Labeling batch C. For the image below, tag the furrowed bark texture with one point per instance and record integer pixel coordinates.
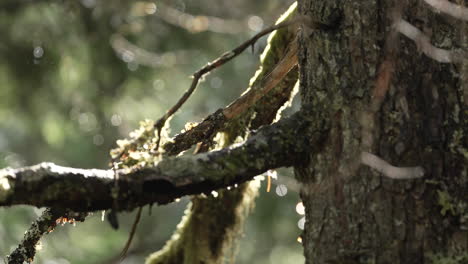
(353, 215)
(209, 230)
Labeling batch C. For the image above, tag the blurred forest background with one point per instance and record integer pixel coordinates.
(77, 75)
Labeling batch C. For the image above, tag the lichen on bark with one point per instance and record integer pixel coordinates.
(352, 214)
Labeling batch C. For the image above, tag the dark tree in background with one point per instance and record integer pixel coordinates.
(378, 145)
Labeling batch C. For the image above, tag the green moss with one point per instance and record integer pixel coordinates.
(141, 148)
(456, 144)
(445, 201)
(442, 259)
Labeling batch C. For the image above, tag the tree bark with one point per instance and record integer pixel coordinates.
(384, 93)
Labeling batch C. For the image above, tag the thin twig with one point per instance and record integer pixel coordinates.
(46, 223)
(270, 81)
(26, 250)
(123, 254)
(216, 120)
(227, 56)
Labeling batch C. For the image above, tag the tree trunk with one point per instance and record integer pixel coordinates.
(376, 91)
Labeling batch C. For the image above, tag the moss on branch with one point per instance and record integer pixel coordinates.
(46, 184)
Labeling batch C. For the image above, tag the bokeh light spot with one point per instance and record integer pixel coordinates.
(281, 190)
(132, 66)
(150, 8)
(273, 174)
(216, 82)
(301, 223)
(300, 209)
(255, 23)
(88, 3)
(87, 121)
(168, 59)
(38, 52)
(158, 85)
(98, 139)
(116, 120)
(128, 56)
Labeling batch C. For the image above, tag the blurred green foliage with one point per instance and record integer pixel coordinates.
(77, 75)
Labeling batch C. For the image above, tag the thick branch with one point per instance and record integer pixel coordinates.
(46, 184)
